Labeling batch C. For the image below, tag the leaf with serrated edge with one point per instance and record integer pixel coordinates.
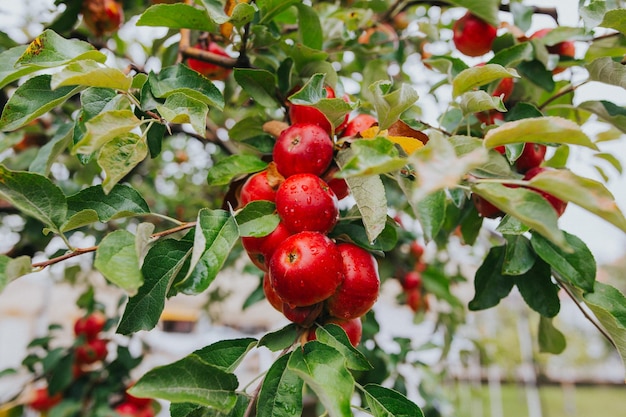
(607, 71)
(477, 101)
(119, 156)
(589, 194)
(182, 79)
(476, 76)
(608, 112)
(257, 219)
(390, 105)
(161, 266)
(370, 157)
(104, 128)
(180, 108)
(189, 380)
(33, 99)
(176, 16)
(225, 170)
(538, 130)
(281, 392)
(116, 258)
(385, 402)
(259, 83)
(528, 206)
(50, 151)
(34, 195)
(609, 306)
(13, 268)
(143, 237)
(317, 363)
(8, 72)
(280, 339)
(122, 201)
(334, 336)
(52, 50)
(577, 268)
(91, 73)
(216, 234)
(226, 354)
(485, 9)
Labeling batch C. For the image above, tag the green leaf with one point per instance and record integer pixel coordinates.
(281, 392)
(35, 196)
(369, 195)
(8, 72)
(512, 56)
(202, 384)
(181, 79)
(216, 234)
(31, 100)
(607, 111)
(242, 14)
(180, 108)
(551, 340)
(48, 153)
(496, 165)
(611, 159)
(538, 291)
(314, 94)
(257, 219)
(105, 127)
(280, 339)
(162, 264)
(485, 9)
(607, 71)
(528, 206)
(538, 130)
(390, 105)
(615, 19)
(119, 156)
(476, 76)
(355, 231)
(578, 268)
(477, 101)
(523, 110)
(194, 410)
(370, 157)
(51, 50)
(13, 268)
(121, 201)
(589, 194)
(260, 84)
(536, 72)
(490, 284)
(226, 354)
(90, 73)
(447, 65)
(176, 16)
(215, 9)
(334, 336)
(609, 306)
(385, 402)
(317, 364)
(519, 257)
(309, 27)
(225, 170)
(438, 167)
(269, 9)
(117, 259)
(431, 213)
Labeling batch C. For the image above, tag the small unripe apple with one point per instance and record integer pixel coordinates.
(472, 35)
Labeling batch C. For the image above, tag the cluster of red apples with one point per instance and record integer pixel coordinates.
(309, 277)
(411, 281)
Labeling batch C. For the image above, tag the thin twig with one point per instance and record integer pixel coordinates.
(569, 89)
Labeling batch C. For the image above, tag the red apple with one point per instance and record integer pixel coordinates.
(559, 205)
(92, 351)
(359, 290)
(485, 208)
(532, 156)
(260, 249)
(306, 269)
(303, 148)
(472, 35)
(360, 123)
(306, 202)
(300, 113)
(257, 187)
(90, 326)
(43, 401)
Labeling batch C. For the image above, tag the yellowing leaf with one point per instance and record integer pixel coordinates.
(408, 144)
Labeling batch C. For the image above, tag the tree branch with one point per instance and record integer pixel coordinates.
(81, 251)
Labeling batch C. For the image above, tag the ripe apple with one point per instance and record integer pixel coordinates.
(532, 156)
(416, 249)
(306, 202)
(359, 290)
(208, 69)
(303, 148)
(42, 400)
(338, 185)
(270, 294)
(416, 300)
(139, 402)
(360, 123)
(559, 205)
(485, 208)
(472, 35)
(92, 351)
(504, 89)
(565, 48)
(90, 326)
(411, 280)
(261, 249)
(306, 269)
(304, 316)
(257, 187)
(352, 327)
(102, 17)
(300, 113)
(489, 117)
(127, 409)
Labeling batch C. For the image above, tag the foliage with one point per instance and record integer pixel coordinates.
(148, 156)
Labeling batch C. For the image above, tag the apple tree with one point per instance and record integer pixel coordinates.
(292, 134)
